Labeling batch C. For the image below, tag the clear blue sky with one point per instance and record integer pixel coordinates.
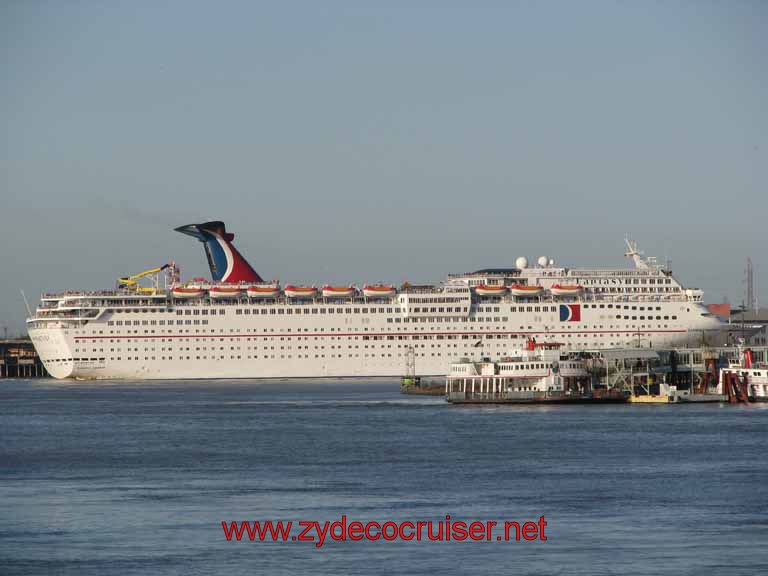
(364, 141)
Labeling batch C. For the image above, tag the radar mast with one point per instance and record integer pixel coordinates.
(637, 256)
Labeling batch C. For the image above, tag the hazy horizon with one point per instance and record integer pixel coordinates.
(358, 142)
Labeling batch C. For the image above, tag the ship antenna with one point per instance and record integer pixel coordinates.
(26, 303)
(635, 254)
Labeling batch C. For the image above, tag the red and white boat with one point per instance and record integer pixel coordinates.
(187, 292)
(753, 377)
(338, 291)
(292, 291)
(566, 289)
(518, 290)
(270, 291)
(488, 290)
(378, 291)
(224, 292)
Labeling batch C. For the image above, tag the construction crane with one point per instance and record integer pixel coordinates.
(131, 282)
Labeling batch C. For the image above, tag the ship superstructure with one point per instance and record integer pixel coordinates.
(238, 326)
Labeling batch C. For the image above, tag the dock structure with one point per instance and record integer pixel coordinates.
(641, 375)
(18, 359)
(690, 374)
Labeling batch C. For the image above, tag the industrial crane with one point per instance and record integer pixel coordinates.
(131, 282)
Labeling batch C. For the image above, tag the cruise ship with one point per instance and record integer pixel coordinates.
(236, 325)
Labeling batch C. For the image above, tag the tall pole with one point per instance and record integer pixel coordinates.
(690, 388)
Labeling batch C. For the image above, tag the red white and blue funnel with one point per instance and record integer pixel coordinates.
(226, 263)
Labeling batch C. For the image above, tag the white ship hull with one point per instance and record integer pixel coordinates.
(278, 345)
(146, 333)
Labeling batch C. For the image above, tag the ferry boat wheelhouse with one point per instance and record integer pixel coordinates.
(239, 326)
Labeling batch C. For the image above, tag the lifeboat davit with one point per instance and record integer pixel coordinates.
(186, 292)
(378, 291)
(338, 291)
(224, 292)
(566, 289)
(485, 290)
(518, 290)
(300, 291)
(271, 291)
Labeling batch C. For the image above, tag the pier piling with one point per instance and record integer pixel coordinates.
(18, 359)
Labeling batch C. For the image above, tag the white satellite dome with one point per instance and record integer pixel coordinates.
(543, 261)
(521, 262)
(551, 261)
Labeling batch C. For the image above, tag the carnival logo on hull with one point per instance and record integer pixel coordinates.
(570, 312)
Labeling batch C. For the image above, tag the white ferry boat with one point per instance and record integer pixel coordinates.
(239, 326)
(539, 370)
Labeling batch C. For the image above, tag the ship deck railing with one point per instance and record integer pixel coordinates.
(162, 299)
(458, 395)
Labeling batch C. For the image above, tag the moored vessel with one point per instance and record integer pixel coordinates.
(540, 373)
(744, 377)
(236, 325)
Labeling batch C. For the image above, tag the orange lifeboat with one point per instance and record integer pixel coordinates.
(292, 291)
(338, 291)
(378, 291)
(518, 290)
(487, 290)
(270, 291)
(186, 293)
(566, 289)
(224, 292)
